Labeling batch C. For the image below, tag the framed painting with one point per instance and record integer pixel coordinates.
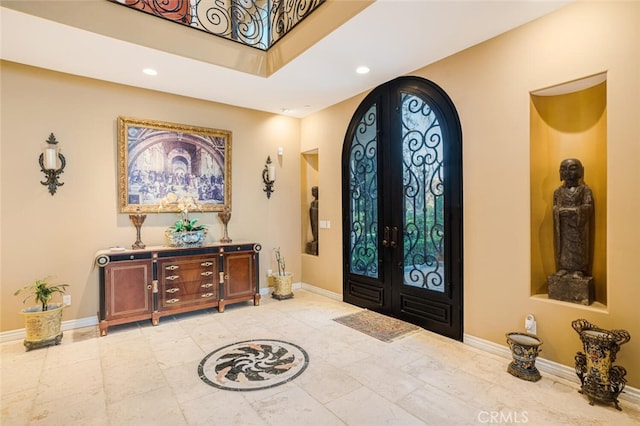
(157, 159)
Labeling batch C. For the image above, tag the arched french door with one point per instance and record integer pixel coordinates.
(402, 206)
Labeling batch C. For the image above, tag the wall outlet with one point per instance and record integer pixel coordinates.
(66, 299)
(530, 324)
(269, 272)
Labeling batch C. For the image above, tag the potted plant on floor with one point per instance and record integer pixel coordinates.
(281, 281)
(42, 322)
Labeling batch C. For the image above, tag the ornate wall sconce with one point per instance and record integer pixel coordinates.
(269, 177)
(49, 164)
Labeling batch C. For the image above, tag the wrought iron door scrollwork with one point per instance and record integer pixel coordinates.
(363, 190)
(423, 183)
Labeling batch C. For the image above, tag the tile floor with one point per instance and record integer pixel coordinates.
(145, 375)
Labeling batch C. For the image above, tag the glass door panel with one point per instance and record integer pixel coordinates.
(423, 189)
(363, 196)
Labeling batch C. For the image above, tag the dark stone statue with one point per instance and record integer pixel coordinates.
(312, 247)
(572, 216)
(572, 213)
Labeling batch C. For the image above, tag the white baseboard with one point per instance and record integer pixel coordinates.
(265, 291)
(313, 289)
(559, 370)
(322, 292)
(20, 334)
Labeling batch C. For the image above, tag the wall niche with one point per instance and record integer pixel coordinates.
(309, 179)
(568, 120)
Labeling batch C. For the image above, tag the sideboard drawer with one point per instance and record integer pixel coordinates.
(175, 300)
(177, 270)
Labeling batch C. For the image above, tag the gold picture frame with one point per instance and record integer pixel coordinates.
(156, 158)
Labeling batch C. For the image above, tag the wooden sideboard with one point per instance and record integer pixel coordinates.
(145, 284)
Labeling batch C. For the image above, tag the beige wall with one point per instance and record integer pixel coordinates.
(325, 132)
(58, 235)
(490, 85)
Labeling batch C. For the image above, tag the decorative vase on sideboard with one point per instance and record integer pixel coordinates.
(185, 238)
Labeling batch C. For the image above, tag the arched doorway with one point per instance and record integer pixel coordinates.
(402, 206)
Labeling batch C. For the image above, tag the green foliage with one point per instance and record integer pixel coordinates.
(187, 225)
(42, 291)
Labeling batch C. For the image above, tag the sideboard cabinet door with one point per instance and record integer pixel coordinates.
(128, 293)
(239, 278)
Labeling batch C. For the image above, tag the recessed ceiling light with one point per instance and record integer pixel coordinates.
(362, 69)
(285, 110)
(150, 71)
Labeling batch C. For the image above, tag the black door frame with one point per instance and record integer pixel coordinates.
(441, 313)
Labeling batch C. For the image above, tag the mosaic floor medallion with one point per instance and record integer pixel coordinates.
(253, 364)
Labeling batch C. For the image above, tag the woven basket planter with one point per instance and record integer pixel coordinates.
(282, 286)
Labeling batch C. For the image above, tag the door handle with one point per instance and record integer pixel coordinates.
(385, 237)
(394, 237)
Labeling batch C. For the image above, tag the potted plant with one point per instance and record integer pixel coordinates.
(185, 232)
(281, 281)
(42, 322)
